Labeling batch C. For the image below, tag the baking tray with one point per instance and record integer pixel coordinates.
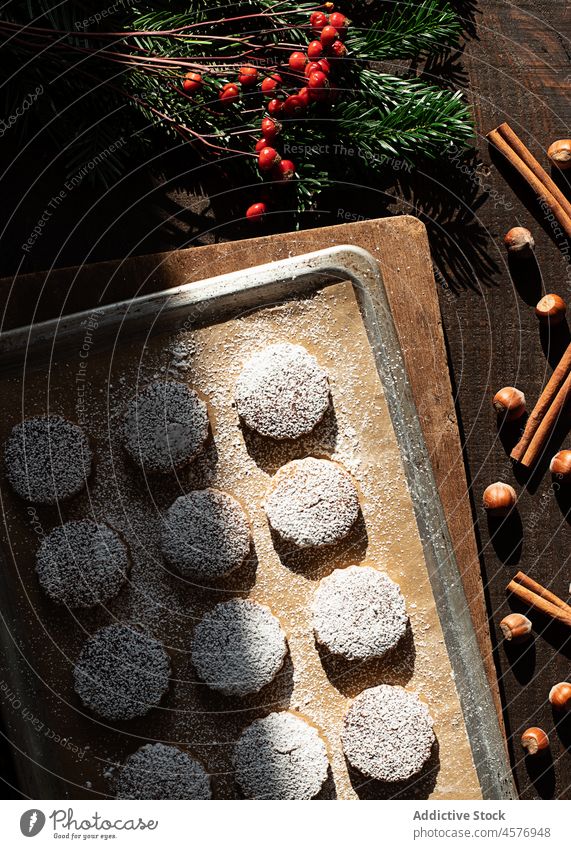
(208, 301)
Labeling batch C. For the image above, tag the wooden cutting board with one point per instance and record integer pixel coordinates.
(401, 247)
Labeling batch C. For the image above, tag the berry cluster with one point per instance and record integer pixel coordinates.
(287, 99)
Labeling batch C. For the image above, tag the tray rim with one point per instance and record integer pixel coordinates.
(287, 279)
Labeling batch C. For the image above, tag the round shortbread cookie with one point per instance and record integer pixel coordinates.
(312, 502)
(157, 771)
(121, 672)
(358, 613)
(282, 392)
(388, 734)
(165, 426)
(48, 459)
(281, 757)
(205, 534)
(82, 563)
(238, 647)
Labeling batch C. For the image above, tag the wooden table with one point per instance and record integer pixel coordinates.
(516, 69)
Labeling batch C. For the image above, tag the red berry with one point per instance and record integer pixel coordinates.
(328, 36)
(324, 66)
(268, 159)
(303, 95)
(297, 62)
(339, 21)
(318, 20)
(315, 49)
(248, 76)
(192, 82)
(318, 85)
(338, 49)
(271, 83)
(229, 93)
(270, 128)
(294, 105)
(261, 144)
(275, 106)
(284, 170)
(256, 212)
(311, 68)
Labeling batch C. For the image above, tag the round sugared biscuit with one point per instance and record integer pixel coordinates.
(280, 757)
(282, 392)
(238, 647)
(358, 613)
(82, 563)
(157, 771)
(48, 459)
(165, 426)
(388, 734)
(121, 672)
(312, 502)
(205, 534)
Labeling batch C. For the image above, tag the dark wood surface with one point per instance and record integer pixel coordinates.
(515, 67)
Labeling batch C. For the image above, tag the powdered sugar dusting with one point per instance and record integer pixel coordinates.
(359, 613)
(156, 771)
(205, 534)
(48, 459)
(165, 426)
(238, 647)
(312, 503)
(81, 564)
(121, 673)
(282, 392)
(388, 734)
(281, 757)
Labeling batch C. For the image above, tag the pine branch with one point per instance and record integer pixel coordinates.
(409, 30)
(424, 123)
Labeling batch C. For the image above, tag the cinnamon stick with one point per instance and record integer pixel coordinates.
(555, 383)
(530, 584)
(539, 186)
(527, 156)
(539, 603)
(548, 424)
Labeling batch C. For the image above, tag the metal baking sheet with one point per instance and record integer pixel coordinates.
(201, 303)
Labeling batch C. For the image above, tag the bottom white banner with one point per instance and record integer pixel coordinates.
(259, 824)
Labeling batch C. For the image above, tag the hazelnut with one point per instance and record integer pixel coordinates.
(551, 308)
(534, 740)
(516, 627)
(510, 403)
(560, 696)
(499, 498)
(519, 240)
(560, 465)
(559, 153)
